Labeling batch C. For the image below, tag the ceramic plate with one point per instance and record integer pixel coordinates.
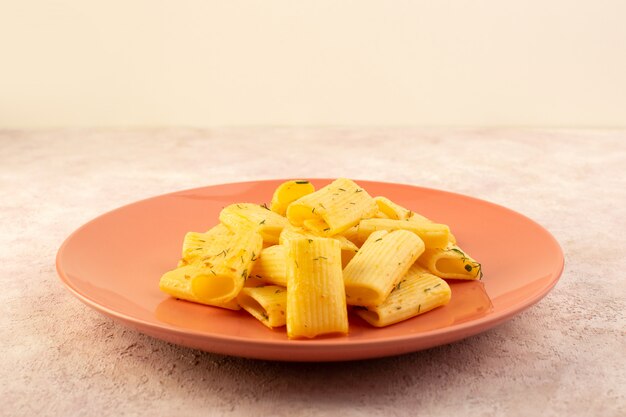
(114, 262)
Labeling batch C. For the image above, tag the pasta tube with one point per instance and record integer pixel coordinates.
(352, 234)
(199, 245)
(215, 269)
(416, 293)
(348, 249)
(451, 262)
(267, 304)
(332, 209)
(288, 192)
(255, 217)
(271, 266)
(316, 300)
(391, 209)
(374, 271)
(434, 235)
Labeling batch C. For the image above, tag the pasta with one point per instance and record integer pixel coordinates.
(271, 267)
(301, 262)
(253, 216)
(416, 293)
(316, 299)
(348, 249)
(266, 303)
(434, 235)
(384, 258)
(332, 209)
(288, 192)
(392, 210)
(214, 267)
(450, 262)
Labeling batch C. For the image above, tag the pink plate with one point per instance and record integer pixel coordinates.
(114, 262)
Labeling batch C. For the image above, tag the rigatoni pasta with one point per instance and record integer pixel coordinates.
(332, 209)
(316, 299)
(434, 235)
(287, 193)
(268, 304)
(384, 258)
(214, 266)
(253, 216)
(271, 267)
(416, 293)
(348, 249)
(304, 259)
(451, 262)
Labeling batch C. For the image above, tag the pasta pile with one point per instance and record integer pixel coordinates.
(314, 254)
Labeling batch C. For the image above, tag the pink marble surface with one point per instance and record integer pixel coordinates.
(564, 356)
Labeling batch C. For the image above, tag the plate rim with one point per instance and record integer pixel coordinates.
(484, 323)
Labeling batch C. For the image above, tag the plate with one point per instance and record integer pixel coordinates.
(114, 262)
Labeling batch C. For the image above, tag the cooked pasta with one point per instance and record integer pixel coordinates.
(287, 193)
(416, 293)
(391, 209)
(382, 260)
(268, 304)
(451, 262)
(301, 262)
(332, 209)
(316, 299)
(213, 269)
(271, 267)
(253, 216)
(434, 235)
(348, 249)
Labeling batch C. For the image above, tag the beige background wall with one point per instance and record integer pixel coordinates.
(208, 63)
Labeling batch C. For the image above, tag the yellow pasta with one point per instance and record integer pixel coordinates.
(214, 267)
(348, 249)
(332, 209)
(268, 304)
(382, 260)
(271, 267)
(392, 210)
(247, 215)
(308, 256)
(316, 300)
(352, 234)
(397, 212)
(195, 245)
(434, 235)
(416, 293)
(451, 262)
(288, 192)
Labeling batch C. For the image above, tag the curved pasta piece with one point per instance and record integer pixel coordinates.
(416, 293)
(255, 217)
(332, 209)
(268, 304)
(215, 269)
(288, 192)
(392, 210)
(271, 267)
(348, 249)
(382, 260)
(434, 235)
(451, 262)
